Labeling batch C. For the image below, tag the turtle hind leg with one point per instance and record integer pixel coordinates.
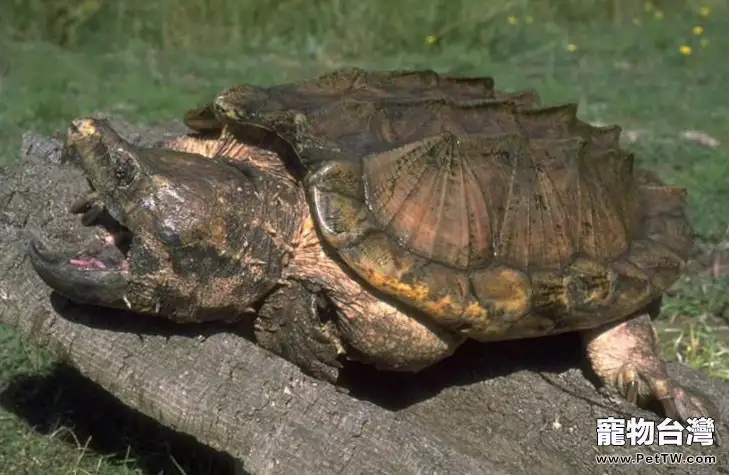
(627, 356)
(291, 324)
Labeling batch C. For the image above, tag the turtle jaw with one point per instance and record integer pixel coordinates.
(90, 281)
(101, 274)
(175, 241)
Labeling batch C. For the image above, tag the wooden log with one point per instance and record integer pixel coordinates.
(504, 408)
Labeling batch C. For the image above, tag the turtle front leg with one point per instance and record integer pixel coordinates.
(312, 332)
(627, 357)
(292, 324)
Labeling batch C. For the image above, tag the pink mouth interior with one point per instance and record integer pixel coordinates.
(89, 263)
(105, 256)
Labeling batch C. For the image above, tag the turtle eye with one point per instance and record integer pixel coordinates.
(125, 167)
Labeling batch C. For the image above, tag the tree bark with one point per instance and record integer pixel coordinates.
(504, 408)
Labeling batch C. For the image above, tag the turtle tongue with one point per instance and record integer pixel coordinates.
(89, 281)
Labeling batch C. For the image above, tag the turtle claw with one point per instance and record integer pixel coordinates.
(627, 357)
(90, 216)
(631, 393)
(670, 409)
(679, 403)
(84, 203)
(90, 206)
(684, 403)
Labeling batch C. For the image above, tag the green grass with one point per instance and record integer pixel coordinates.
(148, 61)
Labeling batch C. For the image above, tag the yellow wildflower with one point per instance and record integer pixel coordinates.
(571, 47)
(697, 30)
(512, 20)
(430, 40)
(705, 11)
(685, 50)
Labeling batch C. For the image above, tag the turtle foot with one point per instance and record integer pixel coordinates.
(627, 356)
(678, 402)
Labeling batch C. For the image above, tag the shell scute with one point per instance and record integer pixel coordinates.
(496, 217)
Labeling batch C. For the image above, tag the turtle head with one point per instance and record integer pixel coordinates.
(242, 103)
(245, 108)
(186, 236)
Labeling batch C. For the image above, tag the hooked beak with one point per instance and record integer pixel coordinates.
(87, 281)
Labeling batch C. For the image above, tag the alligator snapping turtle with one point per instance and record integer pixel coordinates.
(406, 213)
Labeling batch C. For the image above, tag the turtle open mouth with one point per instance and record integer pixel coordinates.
(97, 274)
(155, 210)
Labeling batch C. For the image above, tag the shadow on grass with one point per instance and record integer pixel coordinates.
(65, 398)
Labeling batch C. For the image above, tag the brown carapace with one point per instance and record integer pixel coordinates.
(496, 217)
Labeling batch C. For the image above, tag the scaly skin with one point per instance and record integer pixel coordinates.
(221, 230)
